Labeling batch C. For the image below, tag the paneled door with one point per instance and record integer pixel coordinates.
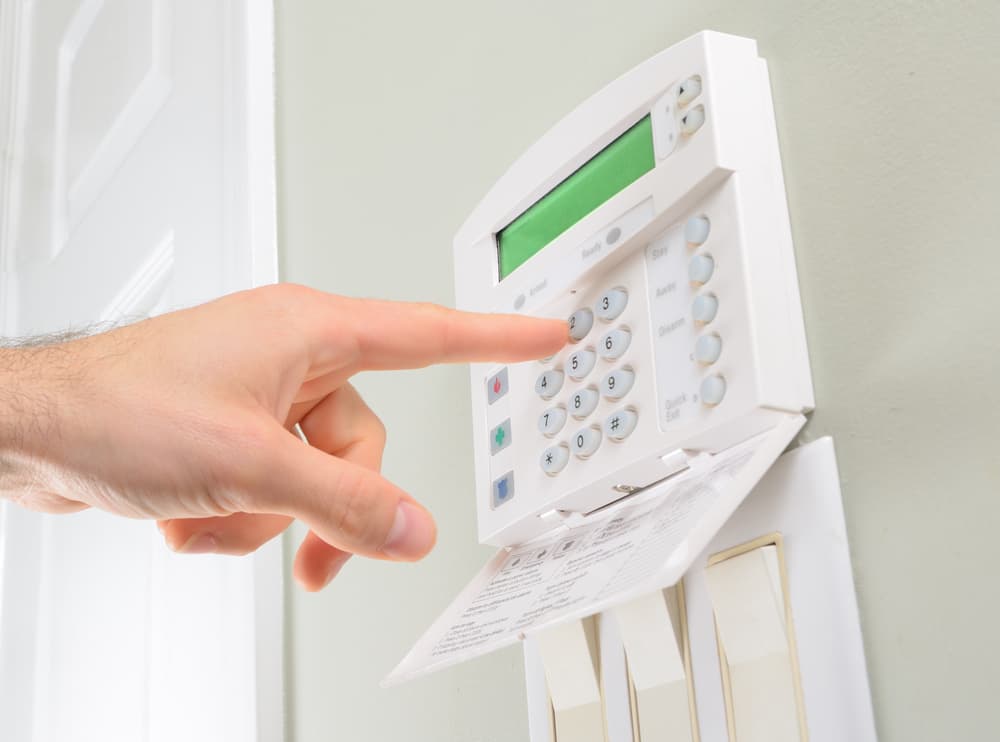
(137, 175)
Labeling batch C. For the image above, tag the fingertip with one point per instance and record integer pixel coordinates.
(412, 535)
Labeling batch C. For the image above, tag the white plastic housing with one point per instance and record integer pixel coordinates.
(727, 170)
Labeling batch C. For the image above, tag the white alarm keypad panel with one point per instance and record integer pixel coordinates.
(679, 291)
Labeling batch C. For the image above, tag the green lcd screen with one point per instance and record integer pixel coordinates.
(616, 166)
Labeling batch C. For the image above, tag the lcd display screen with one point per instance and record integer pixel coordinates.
(616, 166)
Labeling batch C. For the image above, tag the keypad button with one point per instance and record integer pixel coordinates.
(580, 364)
(585, 442)
(618, 383)
(549, 383)
(500, 437)
(708, 348)
(614, 343)
(701, 268)
(619, 425)
(580, 323)
(696, 230)
(552, 420)
(713, 389)
(583, 403)
(692, 120)
(497, 385)
(704, 308)
(688, 90)
(611, 304)
(503, 489)
(554, 459)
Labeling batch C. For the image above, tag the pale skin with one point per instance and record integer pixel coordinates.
(189, 418)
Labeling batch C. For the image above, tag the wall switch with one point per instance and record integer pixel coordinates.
(756, 644)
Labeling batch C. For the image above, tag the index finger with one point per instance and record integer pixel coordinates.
(391, 334)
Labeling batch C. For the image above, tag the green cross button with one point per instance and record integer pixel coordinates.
(500, 436)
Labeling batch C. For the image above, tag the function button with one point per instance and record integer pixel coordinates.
(551, 421)
(583, 403)
(580, 323)
(500, 437)
(713, 389)
(704, 307)
(549, 383)
(701, 268)
(692, 120)
(708, 348)
(554, 459)
(496, 385)
(503, 489)
(688, 90)
(612, 304)
(696, 230)
(614, 343)
(586, 441)
(617, 384)
(619, 425)
(580, 364)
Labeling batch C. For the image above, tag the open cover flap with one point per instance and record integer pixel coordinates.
(643, 543)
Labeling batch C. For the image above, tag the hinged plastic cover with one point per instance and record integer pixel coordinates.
(641, 544)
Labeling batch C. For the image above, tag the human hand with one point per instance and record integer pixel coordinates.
(188, 418)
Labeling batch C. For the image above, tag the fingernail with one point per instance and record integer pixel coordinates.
(200, 543)
(412, 534)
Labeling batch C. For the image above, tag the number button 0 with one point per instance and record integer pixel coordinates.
(552, 420)
(580, 364)
(618, 383)
(580, 323)
(612, 304)
(586, 442)
(615, 343)
(549, 383)
(583, 403)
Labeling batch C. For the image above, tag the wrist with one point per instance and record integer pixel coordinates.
(31, 391)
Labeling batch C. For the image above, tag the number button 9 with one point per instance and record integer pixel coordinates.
(618, 383)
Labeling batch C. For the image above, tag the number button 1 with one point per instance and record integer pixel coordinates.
(614, 343)
(549, 383)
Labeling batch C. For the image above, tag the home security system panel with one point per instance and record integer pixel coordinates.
(653, 219)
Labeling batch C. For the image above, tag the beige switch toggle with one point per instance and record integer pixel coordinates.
(756, 645)
(569, 656)
(654, 634)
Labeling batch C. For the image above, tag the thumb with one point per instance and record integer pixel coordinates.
(346, 505)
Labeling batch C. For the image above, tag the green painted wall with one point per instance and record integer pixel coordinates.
(394, 119)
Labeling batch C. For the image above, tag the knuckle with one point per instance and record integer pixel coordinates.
(355, 510)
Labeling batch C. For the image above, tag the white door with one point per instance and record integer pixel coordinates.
(137, 176)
